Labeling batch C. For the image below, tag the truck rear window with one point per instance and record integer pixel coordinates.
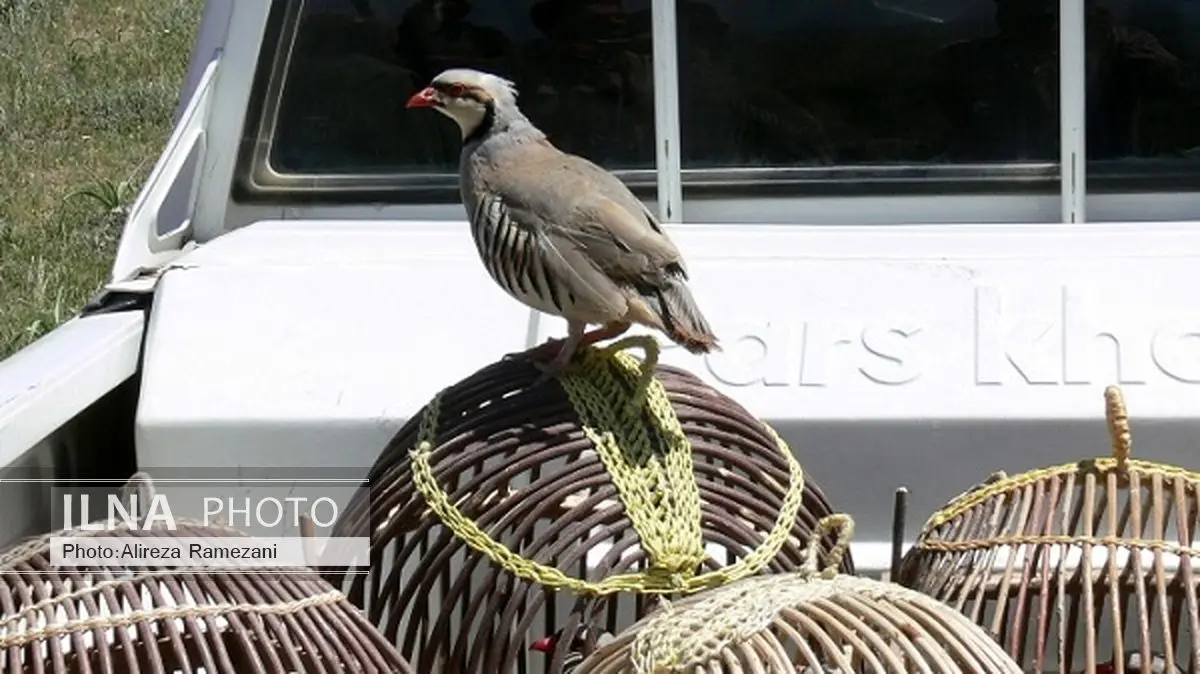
(849, 86)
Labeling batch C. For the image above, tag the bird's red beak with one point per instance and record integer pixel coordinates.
(543, 645)
(425, 98)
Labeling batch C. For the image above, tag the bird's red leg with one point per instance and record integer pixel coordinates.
(559, 352)
(607, 331)
(553, 347)
(576, 339)
(575, 335)
(542, 351)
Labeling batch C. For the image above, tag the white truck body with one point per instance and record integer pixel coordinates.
(920, 340)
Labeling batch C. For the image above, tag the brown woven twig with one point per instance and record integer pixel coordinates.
(129, 620)
(1061, 563)
(517, 463)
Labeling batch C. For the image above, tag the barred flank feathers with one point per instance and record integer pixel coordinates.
(681, 318)
(511, 255)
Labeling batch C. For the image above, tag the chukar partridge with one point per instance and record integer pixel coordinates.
(557, 232)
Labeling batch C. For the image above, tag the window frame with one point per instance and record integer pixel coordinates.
(257, 182)
(1072, 106)
(672, 186)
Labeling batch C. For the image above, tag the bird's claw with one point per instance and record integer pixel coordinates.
(544, 351)
(550, 370)
(543, 378)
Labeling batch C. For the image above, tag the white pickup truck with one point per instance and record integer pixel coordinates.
(925, 253)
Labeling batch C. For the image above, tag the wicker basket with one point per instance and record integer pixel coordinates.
(807, 622)
(1062, 563)
(528, 512)
(150, 619)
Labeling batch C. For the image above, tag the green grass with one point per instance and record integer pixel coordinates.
(87, 91)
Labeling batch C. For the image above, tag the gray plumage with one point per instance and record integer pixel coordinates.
(557, 232)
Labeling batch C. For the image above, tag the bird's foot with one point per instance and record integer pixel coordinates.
(548, 372)
(553, 348)
(556, 366)
(543, 351)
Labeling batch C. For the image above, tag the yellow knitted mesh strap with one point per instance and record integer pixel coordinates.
(685, 638)
(658, 490)
(1123, 542)
(1117, 418)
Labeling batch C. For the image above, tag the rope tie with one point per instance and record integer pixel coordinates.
(625, 412)
(1117, 417)
(1129, 543)
(844, 526)
(141, 486)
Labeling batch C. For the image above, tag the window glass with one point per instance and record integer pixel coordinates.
(583, 69)
(854, 82)
(1143, 94)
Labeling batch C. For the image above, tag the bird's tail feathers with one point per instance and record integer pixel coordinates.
(681, 318)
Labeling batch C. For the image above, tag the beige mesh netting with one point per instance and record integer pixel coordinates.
(806, 621)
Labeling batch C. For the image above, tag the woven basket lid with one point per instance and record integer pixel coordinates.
(1061, 563)
(812, 620)
(621, 479)
(131, 619)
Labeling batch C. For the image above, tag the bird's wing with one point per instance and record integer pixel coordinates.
(564, 267)
(633, 224)
(588, 215)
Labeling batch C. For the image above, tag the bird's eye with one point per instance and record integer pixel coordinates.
(457, 90)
